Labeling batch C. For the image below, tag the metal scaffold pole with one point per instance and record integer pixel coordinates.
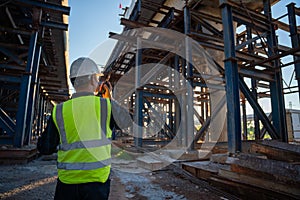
(138, 130)
(24, 93)
(190, 94)
(32, 94)
(295, 40)
(232, 81)
(276, 88)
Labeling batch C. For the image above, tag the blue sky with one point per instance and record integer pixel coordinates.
(90, 22)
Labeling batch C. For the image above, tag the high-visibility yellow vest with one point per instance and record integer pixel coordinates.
(84, 153)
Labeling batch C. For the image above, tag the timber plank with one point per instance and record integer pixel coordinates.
(269, 185)
(246, 191)
(203, 169)
(280, 171)
(277, 150)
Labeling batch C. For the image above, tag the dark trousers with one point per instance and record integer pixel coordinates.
(83, 191)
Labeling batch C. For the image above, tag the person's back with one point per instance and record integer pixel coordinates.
(80, 127)
(84, 150)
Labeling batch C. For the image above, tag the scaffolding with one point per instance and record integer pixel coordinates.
(33, 72)
(248, 65)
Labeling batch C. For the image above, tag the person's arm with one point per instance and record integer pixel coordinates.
(120, 116)
(49, 140)
(113, 123)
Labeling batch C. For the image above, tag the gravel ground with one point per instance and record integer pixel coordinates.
(37, 180)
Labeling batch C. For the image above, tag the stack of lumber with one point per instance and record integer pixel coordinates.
(270, 171)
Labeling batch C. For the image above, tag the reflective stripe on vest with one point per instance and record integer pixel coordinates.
(84, 166)
(65, 146)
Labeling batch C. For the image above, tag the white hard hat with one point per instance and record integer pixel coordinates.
(82, 67)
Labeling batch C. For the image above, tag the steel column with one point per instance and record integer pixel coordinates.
(24, 93)
(177, 102)
(41, 114)
(190, 94)
(254, 86)
(32, 95)
(255, 118)
(276, 88)
(138, 130)
(245, 132)
(232, 81)
(294, 39)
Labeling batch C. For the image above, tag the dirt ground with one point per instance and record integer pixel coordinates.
(37, 180)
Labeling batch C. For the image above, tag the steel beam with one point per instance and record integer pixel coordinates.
(49, 24)
(10, 79)
(12, 67)
(249, 40)
(32, 95)
(136, 12)
(166, 21)
(232, 81)
(170, 116)
(7, 123)
(245, 131)
(208, 26)
(254, 84)
(177, 101)
(24, 94)
(294, 39)
(39, 115)
(138, 131)
(256, 74)
(256, 122)
(214, 113)
(15, 31)
(157, 95)
(190, 93)
(276, 87)
(11, 55)
(257, 109)
(46, 5)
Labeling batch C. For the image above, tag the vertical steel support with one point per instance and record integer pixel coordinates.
(46, 104)
(190, 95)
(170, 115)
(39, 118)
(245, 132)
(32, 95)
(43, 113)
(276, 87)
(254, 87)
(294, 39)
(24, 93)
(183, 94)
(255, 118)
(138, 132)
(170, 104)
(37, 107)
(232, 81)
(177, 102)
